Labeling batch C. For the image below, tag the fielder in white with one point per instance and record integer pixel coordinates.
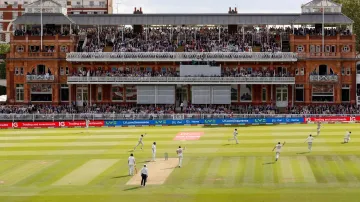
(180, 152)
(347, 137)
(153, 151)
(87, 123)
(309, 140)
(131, 163)
(278, 150)
(140, 142)
(235, 133)
(318, 128)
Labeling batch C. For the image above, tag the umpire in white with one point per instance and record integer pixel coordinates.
(144, 175)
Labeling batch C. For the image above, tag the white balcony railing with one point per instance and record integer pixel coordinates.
(180, 80)
(40, 78)
(324, 78)
(179, 56)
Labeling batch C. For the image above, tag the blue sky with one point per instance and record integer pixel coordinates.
(209, 6)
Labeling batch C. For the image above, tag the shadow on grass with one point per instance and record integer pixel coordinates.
(269, 163)
(303, 153)
(226, 144)
(132, 188)
(117, 177)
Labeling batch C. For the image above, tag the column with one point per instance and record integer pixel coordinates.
(55, 94)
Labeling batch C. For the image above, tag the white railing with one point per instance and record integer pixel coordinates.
(88, 6)
(324, 78)
(180, 80)
(111, 116)
(179, 56)
(40, 78)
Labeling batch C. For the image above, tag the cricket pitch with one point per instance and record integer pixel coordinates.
(159, 171)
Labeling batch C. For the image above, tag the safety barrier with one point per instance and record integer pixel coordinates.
(182, 122)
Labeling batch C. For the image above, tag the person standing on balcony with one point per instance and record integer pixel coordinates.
(181, 107)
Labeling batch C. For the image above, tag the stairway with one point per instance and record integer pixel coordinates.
(180, 49)
(108, 49)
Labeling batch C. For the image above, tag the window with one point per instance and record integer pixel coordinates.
(20, 49)
(41, 93)
(1, 16)
(21, 70)
(299, 71)
(327, 48)
(64, 93)
(346, 49)
(343, 71)
(91, 3)
(62, 71)
(67, 71)
(64, 49)
(263, 94)
(246, 93)
(15, 4)
(234, 93)
(78, 3)
(14, 15)
(102, 3)
(19, 92)
(16, 70)
(318, 49)
(348, 71)
(323, 93)
(345, 93)
(117, 93)
(312, 48)
(99, 93)
(300, 48)
(299, 93)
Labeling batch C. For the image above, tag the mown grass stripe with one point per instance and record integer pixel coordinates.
(327, 170)
(346, 168)
(115, 175)
(198, 166)
(87, 172)
(24, 171)
(9, 165)
(258, 169)
(212, 171)
(224, 171)
(200, 178)
(250, 170)
(268, 171)
(240, 173)
(230, 179)
(335, 170)
(287, 175)
(355, 161)
(304, 165)
(296, 169)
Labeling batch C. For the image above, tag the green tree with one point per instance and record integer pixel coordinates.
(350, 8)
(4, 48)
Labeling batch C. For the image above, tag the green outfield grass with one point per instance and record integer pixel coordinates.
(75, 165)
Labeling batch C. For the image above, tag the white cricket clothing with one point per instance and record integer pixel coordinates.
(347, 135)
(144, 171)
(153, 148)
(140, 139)
(235, 133)
(310, 139)
(131, 160)
(278, 147)
(179, 152)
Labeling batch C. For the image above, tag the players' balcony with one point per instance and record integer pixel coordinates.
(36, 78)
(180, 80)
(179, 56)
(324, 78)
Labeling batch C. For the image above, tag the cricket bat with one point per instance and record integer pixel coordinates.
(284, 143)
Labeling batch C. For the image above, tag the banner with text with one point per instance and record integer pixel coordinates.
(56, 124)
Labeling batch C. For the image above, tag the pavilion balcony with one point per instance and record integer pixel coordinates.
(180, 56)
(37, 78)
(324, 78)
(180, 80)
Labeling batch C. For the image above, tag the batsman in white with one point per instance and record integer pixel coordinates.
(347, 137)
(309, 140)
(235, 133)
(318, 128)
(140, 142)
(278, 150)
(180, 152)
(153, 151)
(131, 163)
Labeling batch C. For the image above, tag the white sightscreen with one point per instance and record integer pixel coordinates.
(151, 94)
(211, 94)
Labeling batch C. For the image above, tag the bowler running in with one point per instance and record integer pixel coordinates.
(278, 150)
(310, 140)
(140, 142)
(347, 137)
(235, 133)
(180, 152)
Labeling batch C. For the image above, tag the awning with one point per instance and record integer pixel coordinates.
(47, 18)
(317, 18)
